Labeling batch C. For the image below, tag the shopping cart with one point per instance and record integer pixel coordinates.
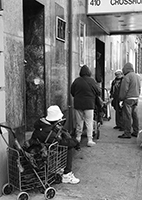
(107, 106)
(101, 112)
(22, 174)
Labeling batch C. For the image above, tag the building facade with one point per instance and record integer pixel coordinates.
(43, 44)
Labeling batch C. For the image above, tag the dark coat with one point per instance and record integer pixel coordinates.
(115, 87)
(114, 91)
(43, 130)
(84, 90)
(131, 85)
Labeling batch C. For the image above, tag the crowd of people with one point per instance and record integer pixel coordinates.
(124, 95)
(125, 92)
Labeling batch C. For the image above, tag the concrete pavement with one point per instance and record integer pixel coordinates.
(111, 170)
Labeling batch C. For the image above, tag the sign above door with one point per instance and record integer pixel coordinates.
(116, 16)
(113, 6)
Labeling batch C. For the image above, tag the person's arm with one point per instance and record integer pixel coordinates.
(97, 89)
(111, 89)
(72, 89)
(37, 125)
(139, 82)
(123, 88)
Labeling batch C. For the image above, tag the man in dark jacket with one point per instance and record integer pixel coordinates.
(84, 90)
(114, 94)
(129, 94)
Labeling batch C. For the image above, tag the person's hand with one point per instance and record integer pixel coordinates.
(121, 104)
(110, 99)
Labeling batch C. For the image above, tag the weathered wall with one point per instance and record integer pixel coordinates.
(56, 55)
(13, 63)
(13, 55)
(13, 78)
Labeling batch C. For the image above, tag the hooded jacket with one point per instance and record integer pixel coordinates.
(130, 86)
(84, 90)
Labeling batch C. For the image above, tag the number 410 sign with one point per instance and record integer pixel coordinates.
(95, 2)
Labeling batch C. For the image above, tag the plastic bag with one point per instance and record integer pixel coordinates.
(139, 138)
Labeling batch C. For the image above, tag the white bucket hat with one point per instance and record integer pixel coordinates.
(118, 72)
(54, 113)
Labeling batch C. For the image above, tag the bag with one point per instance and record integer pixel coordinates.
(139, 138)
(67, 140)
(99, 102)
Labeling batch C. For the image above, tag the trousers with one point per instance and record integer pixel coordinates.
(86, 116)
(68, 167)
(130, 116)
(118, 115)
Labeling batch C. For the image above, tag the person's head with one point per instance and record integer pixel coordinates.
(54, 114)
(118, 73)
(128, 67)
(85, 71)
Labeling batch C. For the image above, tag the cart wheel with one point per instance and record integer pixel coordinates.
(58, 178)
(49, 193)
(7, 189)
(23, 196)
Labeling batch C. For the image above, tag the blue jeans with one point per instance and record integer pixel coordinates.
(130, 116)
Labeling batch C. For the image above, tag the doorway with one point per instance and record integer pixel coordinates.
(33, 15)
(100, 64)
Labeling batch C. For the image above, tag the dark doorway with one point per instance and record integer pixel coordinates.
(33, 15)
(100, 64)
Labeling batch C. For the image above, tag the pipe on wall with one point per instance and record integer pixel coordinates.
(70, 67)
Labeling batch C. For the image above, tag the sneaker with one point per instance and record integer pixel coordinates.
(70, 178)
(91, 143)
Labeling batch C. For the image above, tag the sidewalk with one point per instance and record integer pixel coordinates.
(111, 170)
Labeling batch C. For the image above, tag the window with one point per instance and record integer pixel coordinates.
(60, 29)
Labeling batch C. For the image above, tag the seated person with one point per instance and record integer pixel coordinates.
(43, 134)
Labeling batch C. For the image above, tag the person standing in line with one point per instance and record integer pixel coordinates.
(114, 95)
(129, 94)
(84, 90)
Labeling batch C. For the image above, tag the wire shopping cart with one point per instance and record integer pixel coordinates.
(101, 112)
(23, 176)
